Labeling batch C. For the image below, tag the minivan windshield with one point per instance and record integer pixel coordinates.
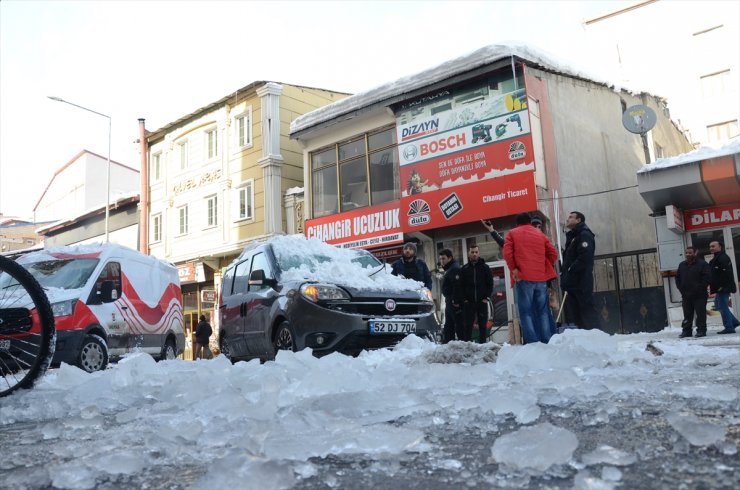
(64, 273)
(314, 261)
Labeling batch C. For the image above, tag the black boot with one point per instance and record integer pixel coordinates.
(685, 333)
(701, 332)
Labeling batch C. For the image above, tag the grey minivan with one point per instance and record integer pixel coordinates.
(290, 293)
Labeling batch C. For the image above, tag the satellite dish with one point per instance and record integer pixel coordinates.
(639, 119)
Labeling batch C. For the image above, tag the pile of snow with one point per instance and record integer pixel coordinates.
(262, 423)
(310, 259)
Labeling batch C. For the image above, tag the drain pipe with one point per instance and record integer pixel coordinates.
(144, 191)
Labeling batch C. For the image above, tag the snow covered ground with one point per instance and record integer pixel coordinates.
(571, 414)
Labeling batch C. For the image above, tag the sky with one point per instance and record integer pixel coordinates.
(160, 60)
(535, 409)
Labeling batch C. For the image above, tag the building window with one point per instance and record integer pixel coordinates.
(324, 183)
(356, 173)
(353, 179)
(659, 153)
(183, 151)
(156, 228)
(156, 166)
(722, 132)
(715, 84)
(244, 129)
(182, 213)
(244, 201)
(211, 144)
(211, 211)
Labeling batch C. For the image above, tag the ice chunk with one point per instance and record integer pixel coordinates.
(695, 430)
(609, 455)
(245, 473)
(538, 447)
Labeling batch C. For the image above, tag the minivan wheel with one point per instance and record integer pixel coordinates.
(93, 354)
(284, 338)
(168, 351)
(223, 346)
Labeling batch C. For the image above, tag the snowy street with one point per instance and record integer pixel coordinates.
(588, 411)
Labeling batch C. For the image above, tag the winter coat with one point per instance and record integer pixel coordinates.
(475, 282)
(497, 238)
(692, 279)
(452, 270)
(415, 269)
(721, 279)
(203, 332)
(578, 260)
(529, 251)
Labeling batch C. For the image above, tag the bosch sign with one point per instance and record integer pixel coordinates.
(443, 144)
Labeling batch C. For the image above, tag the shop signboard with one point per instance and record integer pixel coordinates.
(713, 217)
(369, 227)
(465, 158)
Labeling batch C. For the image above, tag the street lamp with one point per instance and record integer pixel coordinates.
(107, 176)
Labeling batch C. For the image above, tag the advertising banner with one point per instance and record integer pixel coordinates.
(465, 158)
(361, 228)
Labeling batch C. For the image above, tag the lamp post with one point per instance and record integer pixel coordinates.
(107, 171)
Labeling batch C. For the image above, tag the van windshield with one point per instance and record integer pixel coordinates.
(64, 273)
(314, 261)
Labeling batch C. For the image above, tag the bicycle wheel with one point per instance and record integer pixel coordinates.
(27, 333)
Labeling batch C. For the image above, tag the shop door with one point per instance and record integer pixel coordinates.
(502, 299)
(730, 237)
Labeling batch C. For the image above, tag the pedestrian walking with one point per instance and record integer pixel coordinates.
(411, 267)
(203, 334)
(531, 257)
(722, 284)
(576, 274)
(692, 281)
(474, 289)
(453, 311)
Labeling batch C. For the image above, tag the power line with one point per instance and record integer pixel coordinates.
(588, 194)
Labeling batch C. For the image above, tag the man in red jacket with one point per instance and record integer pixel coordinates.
(530, 257)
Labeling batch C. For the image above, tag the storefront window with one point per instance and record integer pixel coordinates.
(702, 239)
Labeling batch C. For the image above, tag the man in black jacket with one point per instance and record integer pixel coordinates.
(411, 267)
(692, 280)
(453, 311)
(202, 337)
(576, 274)
(475, 286)
(722, 283)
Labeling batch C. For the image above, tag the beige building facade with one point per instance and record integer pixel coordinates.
(219, 178)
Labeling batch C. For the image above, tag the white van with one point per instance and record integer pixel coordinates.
(108, 300)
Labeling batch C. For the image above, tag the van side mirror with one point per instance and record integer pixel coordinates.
(108, 292)
(257, 278)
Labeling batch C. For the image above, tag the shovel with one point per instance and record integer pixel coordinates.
(562, 303)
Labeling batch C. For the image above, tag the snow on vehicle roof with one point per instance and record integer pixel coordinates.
(341, 268)
(703, 153)
(480, 57)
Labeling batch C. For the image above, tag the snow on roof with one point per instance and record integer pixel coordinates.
(448, 69)
(703, 153)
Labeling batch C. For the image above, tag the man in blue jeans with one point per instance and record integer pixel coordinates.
(530, 257)
(722, 284)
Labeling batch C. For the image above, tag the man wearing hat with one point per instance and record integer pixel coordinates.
(411, 267)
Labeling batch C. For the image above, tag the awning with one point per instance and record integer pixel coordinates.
(695, 184)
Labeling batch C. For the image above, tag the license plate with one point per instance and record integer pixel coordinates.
(392, 326)
(5, 344)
